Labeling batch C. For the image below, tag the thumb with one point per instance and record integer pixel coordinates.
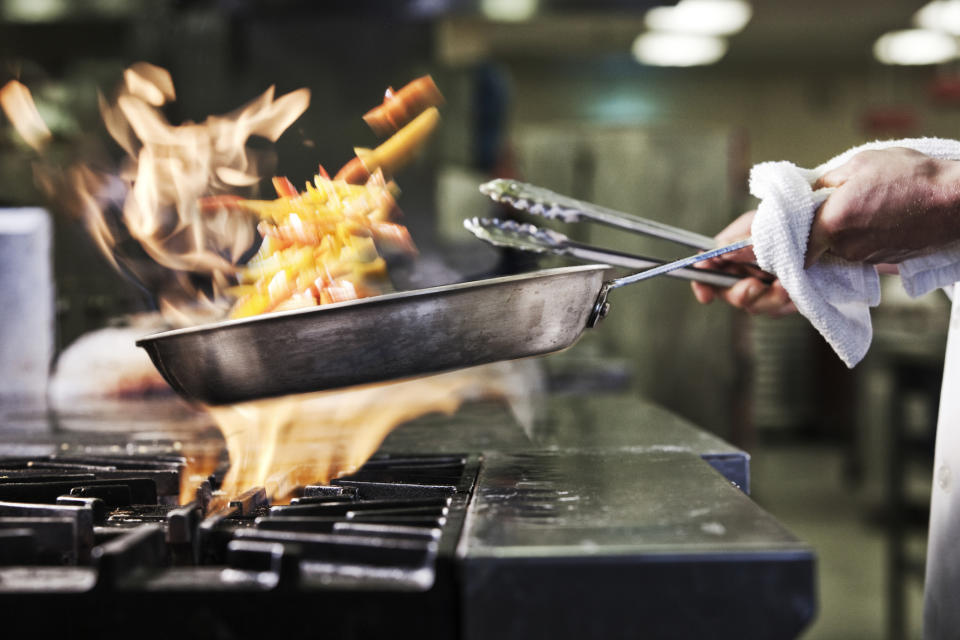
(833, 178)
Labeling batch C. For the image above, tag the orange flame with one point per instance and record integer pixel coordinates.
(279, 444)
(167, 170)
(17, 102)
(285, 443)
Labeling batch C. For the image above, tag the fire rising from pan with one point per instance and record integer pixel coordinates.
(158, 201)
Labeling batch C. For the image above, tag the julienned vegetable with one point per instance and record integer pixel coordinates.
(320, 246)
(325, 244)
(399, 107)
(395, 152)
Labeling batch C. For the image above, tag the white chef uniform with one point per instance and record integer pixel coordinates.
(941, 616)
(835, 297)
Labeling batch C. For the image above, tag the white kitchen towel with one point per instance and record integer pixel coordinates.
(834, 294)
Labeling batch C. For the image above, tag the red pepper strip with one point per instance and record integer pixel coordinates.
(284, 187)
(353, 172)
(322, 172)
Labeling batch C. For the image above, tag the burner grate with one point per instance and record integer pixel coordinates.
(115, 514)
(106, 535)
(149, 479)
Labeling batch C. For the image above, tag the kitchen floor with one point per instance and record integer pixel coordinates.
(803, 486)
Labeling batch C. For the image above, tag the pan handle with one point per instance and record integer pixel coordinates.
(601, 306)
(712, 277)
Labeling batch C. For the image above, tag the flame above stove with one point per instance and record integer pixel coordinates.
(285, 443)
(154, 201)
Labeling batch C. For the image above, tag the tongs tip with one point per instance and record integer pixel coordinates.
(516, 235)
(527, 197)
(499, 188)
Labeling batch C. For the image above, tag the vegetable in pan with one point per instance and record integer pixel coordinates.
(411, 115)
(325, 244)
(319, 246)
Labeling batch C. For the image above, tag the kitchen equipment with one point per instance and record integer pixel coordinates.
(26, 301)
(413, 332)
(555, 206)
(391, 336)
(510, 234)
(629, 523)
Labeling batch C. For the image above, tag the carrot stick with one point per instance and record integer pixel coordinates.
(399, 107)
(284, 187)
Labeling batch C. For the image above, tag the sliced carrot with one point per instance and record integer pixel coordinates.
(284, 187)
(399, 107)
(394, 152)
(353, 172)
(394, 236)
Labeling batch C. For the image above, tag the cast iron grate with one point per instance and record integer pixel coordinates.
(74, 524)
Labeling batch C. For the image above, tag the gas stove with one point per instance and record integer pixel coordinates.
(84, 531)
(458, 527)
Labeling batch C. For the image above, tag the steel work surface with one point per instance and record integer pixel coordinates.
(614, 490)
(661, 535)
(614, 503)
(605, 422)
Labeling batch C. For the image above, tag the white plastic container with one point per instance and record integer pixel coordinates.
(26, 301)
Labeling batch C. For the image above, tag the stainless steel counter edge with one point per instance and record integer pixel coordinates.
(664, 530)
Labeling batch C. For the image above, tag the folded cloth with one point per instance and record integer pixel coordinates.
(834, 294)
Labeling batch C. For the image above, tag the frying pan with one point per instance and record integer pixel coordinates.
(386, 337)
(393, 336)
(397, 335)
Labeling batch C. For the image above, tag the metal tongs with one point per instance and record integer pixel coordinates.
(511, 234)
(551, 205)
(410, 333)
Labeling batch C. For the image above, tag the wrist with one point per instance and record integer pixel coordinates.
(946, 195)
(947, 182)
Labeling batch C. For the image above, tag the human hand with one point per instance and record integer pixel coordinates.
(752, 294)
(889, 205)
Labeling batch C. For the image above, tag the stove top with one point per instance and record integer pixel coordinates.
(572, 529)
(82, 531)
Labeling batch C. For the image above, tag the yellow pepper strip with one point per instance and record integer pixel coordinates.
(400, 148)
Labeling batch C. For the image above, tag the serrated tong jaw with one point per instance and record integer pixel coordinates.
(517, 235)
(526, 197)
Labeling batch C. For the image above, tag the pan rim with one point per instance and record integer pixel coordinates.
(387, 297)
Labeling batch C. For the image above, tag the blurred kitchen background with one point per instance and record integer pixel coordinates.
(656, 111)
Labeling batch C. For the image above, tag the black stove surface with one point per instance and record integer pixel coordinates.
(572, 529)
(103, 540)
